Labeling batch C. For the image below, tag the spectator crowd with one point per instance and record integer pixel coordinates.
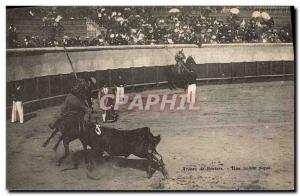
(140, 26)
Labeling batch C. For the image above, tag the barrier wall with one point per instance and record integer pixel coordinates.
(47, 77)
(30, 63)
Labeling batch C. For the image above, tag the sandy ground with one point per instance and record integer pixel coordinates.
(241, 138)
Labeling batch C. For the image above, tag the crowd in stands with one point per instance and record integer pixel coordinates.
(138, 26)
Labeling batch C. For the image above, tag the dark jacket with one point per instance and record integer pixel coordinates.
(17, 94)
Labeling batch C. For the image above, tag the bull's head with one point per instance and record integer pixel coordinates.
(153, 141)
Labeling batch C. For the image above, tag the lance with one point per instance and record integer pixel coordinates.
(70, 61)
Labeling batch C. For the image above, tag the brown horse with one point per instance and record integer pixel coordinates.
(183, 79)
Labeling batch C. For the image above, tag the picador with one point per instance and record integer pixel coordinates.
(76, 104)
(75, 112)
(74, 123)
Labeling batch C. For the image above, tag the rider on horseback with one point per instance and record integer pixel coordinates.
(75, 105)
(180, 62)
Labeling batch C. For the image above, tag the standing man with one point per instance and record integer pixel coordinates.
(103, 91)
(12, 37)
(17, 108)
(120, 83)
(91, 82)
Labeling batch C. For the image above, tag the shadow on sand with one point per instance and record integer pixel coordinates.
(139, 164)
(29, 116)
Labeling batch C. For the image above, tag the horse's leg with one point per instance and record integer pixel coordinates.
(171, 83)
(92, 160)
(157, 157)
(67, 151)
(51, 136)
(84, 151)
(151, 169)
(57, 143)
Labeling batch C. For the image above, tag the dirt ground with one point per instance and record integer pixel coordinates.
(241, 138)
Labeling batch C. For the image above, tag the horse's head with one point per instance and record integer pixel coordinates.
(190, 61)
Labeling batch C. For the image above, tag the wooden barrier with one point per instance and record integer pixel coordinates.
(49, 90)
(37, 62)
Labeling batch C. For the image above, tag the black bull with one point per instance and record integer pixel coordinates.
(139, 142)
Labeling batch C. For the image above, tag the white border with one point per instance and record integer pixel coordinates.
(153, 2)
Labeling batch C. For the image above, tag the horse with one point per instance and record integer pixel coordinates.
(71, 128)
(181, 80)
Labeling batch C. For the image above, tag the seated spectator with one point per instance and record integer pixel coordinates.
(137, 25)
